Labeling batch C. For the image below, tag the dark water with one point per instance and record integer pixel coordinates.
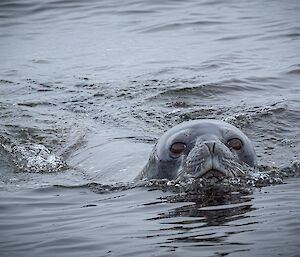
(60, 222)
(86, 87)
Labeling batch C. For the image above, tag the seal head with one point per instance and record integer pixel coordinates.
(201, 148)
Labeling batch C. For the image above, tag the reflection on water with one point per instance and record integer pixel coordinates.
(213, 216)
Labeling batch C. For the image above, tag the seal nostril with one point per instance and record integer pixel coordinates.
(211, 146)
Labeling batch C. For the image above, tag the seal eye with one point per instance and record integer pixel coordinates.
(177, 148)
(235, 144)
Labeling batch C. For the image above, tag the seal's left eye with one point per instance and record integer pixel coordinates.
(235, 143)
(177, 148)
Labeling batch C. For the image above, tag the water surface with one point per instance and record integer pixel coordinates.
(87, 87)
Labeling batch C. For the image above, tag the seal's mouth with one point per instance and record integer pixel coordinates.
(214, 174)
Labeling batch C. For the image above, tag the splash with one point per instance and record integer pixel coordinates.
(32, 157)
(245, 183)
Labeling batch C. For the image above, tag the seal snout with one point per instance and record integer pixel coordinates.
(206, 160)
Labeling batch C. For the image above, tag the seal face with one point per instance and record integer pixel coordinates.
(201, 148)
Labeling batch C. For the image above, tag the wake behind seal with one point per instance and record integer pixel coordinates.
(201, 149)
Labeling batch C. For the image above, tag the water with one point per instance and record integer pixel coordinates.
(87, 87)
(138, 222)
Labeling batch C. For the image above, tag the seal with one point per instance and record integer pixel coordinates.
(205, 148)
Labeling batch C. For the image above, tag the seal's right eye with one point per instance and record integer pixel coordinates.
(177, 148)
(235, 144)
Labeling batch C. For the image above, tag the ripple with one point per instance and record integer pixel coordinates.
(294, 70)
(181, 25)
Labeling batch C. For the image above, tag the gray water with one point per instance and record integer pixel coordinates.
(87, 87)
